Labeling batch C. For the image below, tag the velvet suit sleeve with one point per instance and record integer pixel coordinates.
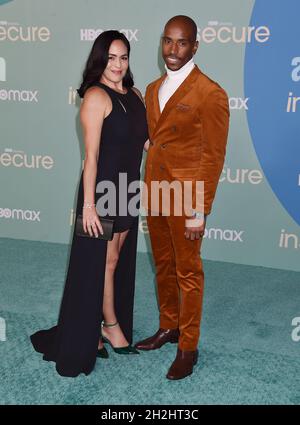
(215, 124)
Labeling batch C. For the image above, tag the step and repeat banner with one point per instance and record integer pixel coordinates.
(250, 47)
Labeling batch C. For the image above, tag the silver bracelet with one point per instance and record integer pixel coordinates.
(88, 205)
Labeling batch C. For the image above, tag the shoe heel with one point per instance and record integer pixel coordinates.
(121, 350)
(102, 353)
(106, 341)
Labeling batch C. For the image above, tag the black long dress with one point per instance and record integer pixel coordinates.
(73, 342)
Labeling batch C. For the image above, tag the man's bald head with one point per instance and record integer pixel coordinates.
(187, 22)
(179, 41)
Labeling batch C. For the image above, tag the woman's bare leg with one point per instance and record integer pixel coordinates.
(115, 333)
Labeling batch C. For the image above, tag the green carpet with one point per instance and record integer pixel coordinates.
(247, 355)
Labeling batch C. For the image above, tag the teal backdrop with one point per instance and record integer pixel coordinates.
(250, 47)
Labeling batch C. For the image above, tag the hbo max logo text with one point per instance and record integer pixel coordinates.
(90, 34)
(18, 214)
(19, 95)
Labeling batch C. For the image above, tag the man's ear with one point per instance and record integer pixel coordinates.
(196, 45)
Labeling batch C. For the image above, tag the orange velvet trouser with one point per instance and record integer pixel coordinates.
(179, 277)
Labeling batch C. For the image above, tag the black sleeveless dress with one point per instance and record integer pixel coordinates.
(73, 342)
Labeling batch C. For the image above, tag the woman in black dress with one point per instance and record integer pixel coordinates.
(97, 303)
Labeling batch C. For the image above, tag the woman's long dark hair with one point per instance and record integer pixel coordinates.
(98, 58)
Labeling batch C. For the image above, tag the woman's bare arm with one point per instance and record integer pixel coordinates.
(94, 108)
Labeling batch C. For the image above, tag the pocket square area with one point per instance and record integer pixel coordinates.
(182, 107)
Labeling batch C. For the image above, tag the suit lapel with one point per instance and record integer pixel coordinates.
(182, 90)
(155, 101)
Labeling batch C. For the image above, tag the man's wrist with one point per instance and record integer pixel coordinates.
(198, 215)
(197, 219)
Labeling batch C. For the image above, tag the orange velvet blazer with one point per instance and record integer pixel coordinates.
(188, 139)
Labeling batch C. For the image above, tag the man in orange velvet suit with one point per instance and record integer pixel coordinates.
(188, 118)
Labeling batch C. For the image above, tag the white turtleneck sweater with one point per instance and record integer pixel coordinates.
(173, 81)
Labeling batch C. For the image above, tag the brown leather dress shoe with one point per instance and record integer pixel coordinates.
(183, 364)
(161, 337)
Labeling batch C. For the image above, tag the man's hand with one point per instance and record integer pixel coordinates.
(194, 228)
(146, 145)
